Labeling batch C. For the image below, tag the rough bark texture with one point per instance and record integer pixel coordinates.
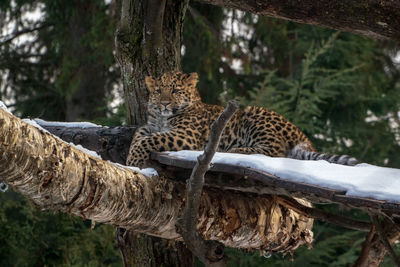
(372, 18)
(148, 42)
(141, 51)
(154, 251)
(111, 143)
(57, 176)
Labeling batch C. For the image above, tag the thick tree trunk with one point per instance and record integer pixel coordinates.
(57, 176)
(373, 18)
(148, 42)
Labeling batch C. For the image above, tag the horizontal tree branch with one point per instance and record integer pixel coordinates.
(223, 176)
(278, 185)
(372, 18)
(57, 176)
(111, 143)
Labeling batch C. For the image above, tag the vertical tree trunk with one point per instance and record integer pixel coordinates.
(148, 42)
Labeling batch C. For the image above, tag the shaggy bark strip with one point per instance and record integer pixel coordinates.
(57, 176)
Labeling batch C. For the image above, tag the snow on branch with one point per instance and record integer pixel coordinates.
(361, 186)
(57, 176)
(242, 178)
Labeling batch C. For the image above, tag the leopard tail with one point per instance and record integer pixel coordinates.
(299, 152)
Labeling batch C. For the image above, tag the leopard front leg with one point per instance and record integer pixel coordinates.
(141, 148)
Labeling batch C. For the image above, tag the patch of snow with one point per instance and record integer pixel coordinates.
(87, 151)
(67, 124)
(81, 148)
(362, 180)
(34, 123)
(149, 172)
(4, 107)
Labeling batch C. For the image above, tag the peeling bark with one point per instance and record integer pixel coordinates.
(57, 176)
(372, 18)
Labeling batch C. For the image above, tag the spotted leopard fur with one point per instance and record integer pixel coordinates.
(178, 120)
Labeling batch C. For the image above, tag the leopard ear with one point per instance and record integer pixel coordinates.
(150, 82)
(192, 79)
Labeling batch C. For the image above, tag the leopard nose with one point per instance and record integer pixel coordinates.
(165, 104)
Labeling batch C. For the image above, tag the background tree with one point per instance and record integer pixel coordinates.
(348, 84)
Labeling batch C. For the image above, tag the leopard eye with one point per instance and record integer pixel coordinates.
(175, 91)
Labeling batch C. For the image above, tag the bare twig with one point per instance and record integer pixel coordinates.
(325, 216)
(384, 240)
(22, 32)
(209, 252)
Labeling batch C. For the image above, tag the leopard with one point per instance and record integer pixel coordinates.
(179, 120)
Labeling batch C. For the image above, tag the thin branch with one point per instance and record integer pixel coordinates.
(23, 31)
(384, 240)
(210, 253)
(197, 16)
(362, 259)
(325, 216)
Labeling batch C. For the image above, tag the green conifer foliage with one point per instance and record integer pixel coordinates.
(41, 75)
(59, 53)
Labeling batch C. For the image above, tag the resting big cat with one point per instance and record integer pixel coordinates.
(178, 120)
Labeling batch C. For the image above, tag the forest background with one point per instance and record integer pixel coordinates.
(57, 63)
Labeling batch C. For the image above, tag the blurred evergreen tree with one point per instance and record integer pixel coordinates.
(56, 62)
(56, 58)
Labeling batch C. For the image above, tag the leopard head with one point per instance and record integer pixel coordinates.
(172, 92)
